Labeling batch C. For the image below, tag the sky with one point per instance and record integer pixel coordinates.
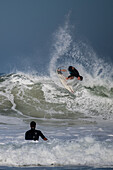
(27, 26)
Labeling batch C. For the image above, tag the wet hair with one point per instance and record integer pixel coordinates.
(32, 124)
(81, 78)
(69, 68)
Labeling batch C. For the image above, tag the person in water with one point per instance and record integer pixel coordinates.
(34, 134)
(73, 73)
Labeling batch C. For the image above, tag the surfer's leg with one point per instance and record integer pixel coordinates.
(70, 77)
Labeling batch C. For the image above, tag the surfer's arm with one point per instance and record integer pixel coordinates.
(64, 70)
(45, 139)
(59, 71)
(70, 77)
(42, 136)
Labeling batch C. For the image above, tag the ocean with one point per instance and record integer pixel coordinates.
(79, 126)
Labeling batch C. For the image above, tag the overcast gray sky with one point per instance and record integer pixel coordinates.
(26, 28)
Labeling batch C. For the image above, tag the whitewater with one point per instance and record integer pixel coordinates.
(79, 126)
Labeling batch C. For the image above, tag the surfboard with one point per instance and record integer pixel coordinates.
(63, 80)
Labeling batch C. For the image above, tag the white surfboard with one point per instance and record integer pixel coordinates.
(63, 80)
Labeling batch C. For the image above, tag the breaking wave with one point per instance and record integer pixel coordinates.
(31, 95)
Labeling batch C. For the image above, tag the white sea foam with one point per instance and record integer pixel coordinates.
(83, 151)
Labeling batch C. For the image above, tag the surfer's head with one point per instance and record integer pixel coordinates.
(69, 68)
(80, 78)
(32, 125)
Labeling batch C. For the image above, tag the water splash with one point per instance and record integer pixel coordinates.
(67, 52)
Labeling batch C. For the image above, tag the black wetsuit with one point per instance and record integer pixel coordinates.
(73, 72)
(33, 134)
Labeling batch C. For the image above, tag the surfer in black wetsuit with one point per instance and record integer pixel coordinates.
(34, 134)
(73, 73)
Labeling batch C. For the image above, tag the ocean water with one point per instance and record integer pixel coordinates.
(79, 126)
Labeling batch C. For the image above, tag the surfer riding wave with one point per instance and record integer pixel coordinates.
(73, 73)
